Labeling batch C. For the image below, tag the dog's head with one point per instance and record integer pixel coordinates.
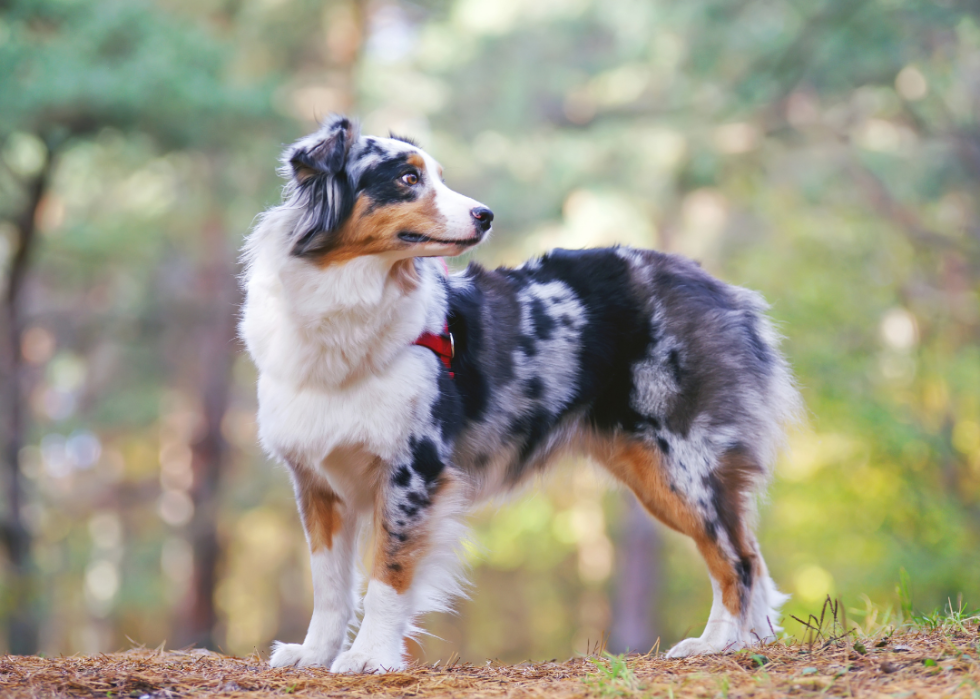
(361, 195)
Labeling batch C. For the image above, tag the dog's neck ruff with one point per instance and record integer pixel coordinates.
(443, 344)
(320, 328)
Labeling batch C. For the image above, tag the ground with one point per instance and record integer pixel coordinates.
(942, 662)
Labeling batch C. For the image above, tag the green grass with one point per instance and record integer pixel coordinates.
(874, 624)
(613, 677)
(863, 631)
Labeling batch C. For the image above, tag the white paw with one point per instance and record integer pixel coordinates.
(297, 655)
(357, 662)
(698, 646)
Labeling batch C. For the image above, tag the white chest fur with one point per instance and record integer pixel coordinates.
(374, 414)
(340, 381)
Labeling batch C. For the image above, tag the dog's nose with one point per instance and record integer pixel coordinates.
(483, 216)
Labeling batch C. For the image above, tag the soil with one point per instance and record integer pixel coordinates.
(941, 663)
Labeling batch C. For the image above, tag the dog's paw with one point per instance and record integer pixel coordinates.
(358, 662)
(297, 655)
(700, 646)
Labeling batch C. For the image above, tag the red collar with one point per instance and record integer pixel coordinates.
(443, 345)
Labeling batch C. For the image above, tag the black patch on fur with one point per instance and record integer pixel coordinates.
(425, 462)
(544, 324)
(664, 446)
(529, 430)
(371, 147)
(534, 388)
(467, 331)
(526, 345)
(381, 183)
(395, 535)
(448, 407)
(711, 529)
(744, 569)
(614, 337)
(484, 318)
(674, 364)
(418, 499)
(402, 477)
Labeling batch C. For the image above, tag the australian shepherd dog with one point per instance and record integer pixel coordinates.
(399, 395)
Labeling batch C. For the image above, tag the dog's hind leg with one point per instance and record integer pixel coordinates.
(713, 510)
(331, 531)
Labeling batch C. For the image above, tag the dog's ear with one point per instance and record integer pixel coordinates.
(328, 156)
(324, 190)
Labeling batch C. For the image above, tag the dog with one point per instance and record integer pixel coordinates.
(399, 395)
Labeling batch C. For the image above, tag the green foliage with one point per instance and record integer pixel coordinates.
(77, 68)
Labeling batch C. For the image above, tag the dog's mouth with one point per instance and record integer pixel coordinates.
(412, 237)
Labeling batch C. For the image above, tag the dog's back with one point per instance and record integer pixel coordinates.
(614, 341)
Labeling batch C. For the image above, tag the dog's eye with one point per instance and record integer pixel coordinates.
(410, 179)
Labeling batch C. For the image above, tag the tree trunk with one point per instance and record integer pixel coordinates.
(216, 336)
(23, 621)
(636, 618)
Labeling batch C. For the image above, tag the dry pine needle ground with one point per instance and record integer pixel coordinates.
(937, 663)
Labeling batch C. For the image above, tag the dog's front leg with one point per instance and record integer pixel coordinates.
(331, 531)
(415, 521)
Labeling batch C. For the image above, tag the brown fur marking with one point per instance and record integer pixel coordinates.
(732, 482)
(371, 232)
(395, 560)
(639, 467)
(320, 509)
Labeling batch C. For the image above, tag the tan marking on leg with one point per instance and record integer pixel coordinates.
(641, 469)
(733, 479)
(395, 561)
(320, 509)
(394, 564)
(721, 570)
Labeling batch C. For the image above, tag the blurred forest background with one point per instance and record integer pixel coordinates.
(826, 153)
